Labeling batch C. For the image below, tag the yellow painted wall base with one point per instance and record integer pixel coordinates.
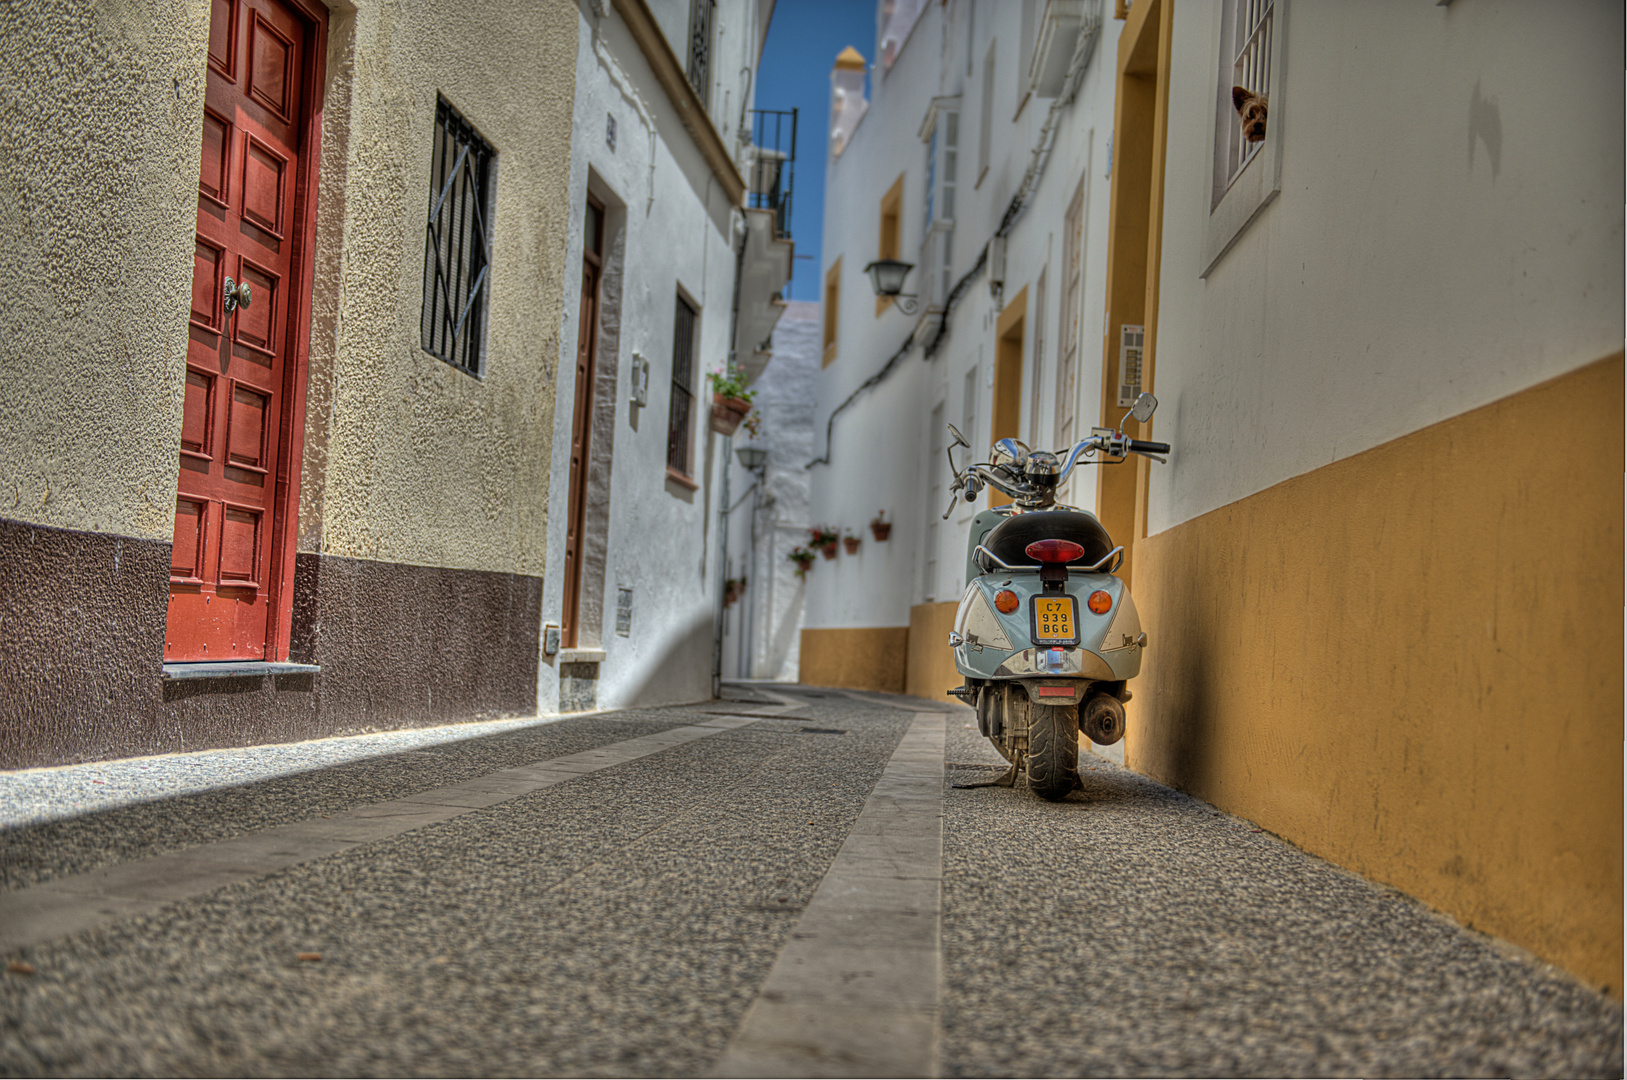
(1409, 662)
(857, 657)
(931, 672)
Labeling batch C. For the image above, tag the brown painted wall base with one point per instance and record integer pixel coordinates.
(82, 635)
(931, 672)
(1410, 662)
(858, 657)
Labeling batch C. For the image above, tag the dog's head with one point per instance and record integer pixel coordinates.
(1251, 107)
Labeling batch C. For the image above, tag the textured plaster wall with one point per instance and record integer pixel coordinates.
(96, 225)
(669, 229)
(1449, 232)
(1409, 662)
(408, 459)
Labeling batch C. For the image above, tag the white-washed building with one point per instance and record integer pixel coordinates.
(974, 108)
(1381, 574)
(677, 253)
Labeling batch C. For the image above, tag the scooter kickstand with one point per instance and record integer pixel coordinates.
(1005, 779)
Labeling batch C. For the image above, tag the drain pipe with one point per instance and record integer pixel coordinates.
(728, 459)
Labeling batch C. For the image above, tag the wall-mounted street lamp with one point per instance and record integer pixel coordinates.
(887, 278)
(751, 458)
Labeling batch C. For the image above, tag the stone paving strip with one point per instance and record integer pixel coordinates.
(856, 990)
(69, 905)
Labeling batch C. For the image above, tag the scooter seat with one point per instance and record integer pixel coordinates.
(1010, 539)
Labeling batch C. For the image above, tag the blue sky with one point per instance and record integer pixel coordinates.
(803, 40)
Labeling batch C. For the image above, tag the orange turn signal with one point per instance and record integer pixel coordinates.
(1100, 602)
(1006, 601)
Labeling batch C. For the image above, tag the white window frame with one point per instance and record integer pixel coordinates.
(1236, 200)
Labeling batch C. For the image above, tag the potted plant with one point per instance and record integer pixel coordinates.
(731, 401)
(732, 589)
(825, 539)
(804, 558)
(880, 527)
(851, 542)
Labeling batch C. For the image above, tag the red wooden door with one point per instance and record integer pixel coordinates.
(228, 536)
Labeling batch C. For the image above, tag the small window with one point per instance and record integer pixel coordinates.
(457, 245)
(1246, 176)
(681, 414)
(700, 49)
(833, 306)
(1073, 278)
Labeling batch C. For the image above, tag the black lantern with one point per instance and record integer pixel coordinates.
(887, 278)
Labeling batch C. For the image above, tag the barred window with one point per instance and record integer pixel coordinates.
(682, 410)
(700, 49)
(457, 243)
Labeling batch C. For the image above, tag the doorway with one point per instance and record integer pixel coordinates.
(231, 564)
(587, 350)
(1008, 378)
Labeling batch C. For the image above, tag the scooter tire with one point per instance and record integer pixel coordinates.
(1053, 751)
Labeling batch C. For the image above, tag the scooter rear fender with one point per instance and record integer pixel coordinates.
(999, 645)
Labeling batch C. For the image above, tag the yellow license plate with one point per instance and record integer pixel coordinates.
(1054, 620)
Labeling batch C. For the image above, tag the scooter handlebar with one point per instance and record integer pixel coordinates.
(1138, 446)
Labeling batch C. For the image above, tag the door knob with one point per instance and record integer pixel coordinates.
(237, 295)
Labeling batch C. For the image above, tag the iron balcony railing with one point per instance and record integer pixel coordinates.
(773, 157)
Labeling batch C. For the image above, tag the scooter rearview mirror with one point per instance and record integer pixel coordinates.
(960, 440)
(1143, 409)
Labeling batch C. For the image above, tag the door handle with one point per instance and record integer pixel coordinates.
(237, 295)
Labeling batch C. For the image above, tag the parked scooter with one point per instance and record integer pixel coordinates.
(1046, 637)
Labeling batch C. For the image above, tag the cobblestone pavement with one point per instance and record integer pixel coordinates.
(779, 884)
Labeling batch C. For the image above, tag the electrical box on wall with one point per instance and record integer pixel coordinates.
(550, 640)
(1130, 339)
(640, 377)
(624, 611)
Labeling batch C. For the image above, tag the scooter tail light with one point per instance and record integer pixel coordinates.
(1054, 551)
(1006, 601)
(1100, 602)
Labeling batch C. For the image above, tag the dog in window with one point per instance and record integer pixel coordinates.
(1251, 107)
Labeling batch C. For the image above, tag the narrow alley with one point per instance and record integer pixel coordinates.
(782, 882)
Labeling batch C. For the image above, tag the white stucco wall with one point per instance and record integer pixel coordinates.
(882, 452)
(1449, 232)
(676, 230)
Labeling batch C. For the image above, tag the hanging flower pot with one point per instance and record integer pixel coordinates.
(804, 560)
(851, 543)
(727, 412)
(825, 539)
(880, 528)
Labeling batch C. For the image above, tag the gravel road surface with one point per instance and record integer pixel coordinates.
(642, 915)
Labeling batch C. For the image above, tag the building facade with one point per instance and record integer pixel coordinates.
(1381, 573)
(678, 249)
(980, 158)
(295, 484)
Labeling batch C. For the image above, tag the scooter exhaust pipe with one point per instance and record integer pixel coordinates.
(1101, 720)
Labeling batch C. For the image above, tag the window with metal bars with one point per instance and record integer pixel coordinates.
(700, 48)
(682, 411)
(457, 243)
(1247, 24)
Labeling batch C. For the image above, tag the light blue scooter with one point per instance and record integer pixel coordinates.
(1046, 637)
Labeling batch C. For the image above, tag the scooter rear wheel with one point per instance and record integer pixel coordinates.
(1053, 751)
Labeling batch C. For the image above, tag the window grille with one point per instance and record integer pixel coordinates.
(457, 244)
(683, 388)
(700, 48)
(1251, 69)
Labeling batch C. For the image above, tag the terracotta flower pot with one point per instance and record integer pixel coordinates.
(881, 530)
(727, 413)
(851, 543)
(828, 550)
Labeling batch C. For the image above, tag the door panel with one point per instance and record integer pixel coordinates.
(237, 362)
